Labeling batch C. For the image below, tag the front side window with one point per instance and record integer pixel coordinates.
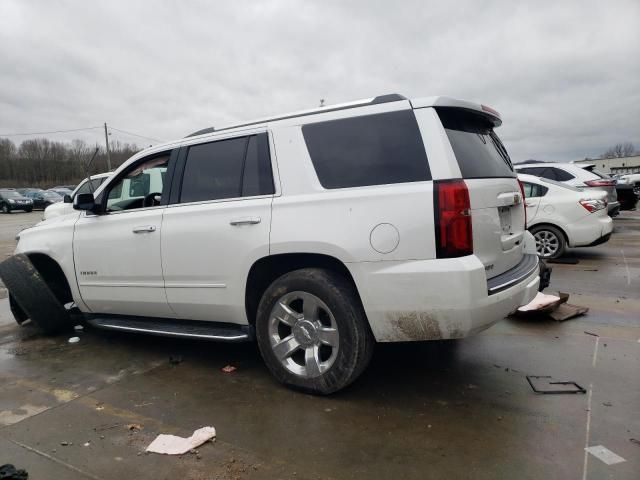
(86, 187)
(231, 168)
(379, 149)
(142, 186)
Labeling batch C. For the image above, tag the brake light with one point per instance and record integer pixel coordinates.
(454, 237)
(523, 202)
(600, 183)
(490, 110)
(593, 205)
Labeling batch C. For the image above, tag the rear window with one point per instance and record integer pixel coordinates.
(376, 149)
(479, 151)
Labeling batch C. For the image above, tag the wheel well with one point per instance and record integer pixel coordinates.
(266, 270)
(53, 275)
(564, 234)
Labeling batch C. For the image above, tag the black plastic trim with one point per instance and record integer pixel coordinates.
(527, 265)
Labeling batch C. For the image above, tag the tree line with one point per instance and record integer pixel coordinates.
(44, 163)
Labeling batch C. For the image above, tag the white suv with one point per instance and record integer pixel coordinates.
(316, 233)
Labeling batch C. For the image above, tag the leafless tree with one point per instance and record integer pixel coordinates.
(619, 150)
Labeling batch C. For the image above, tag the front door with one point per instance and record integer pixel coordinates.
(117, 253)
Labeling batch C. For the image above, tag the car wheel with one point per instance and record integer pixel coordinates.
(29, 210)
(32, 297)
(550, 242)
(5, 208)
(312, 331)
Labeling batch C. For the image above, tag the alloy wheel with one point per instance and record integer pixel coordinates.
(303, 334)
(547, 243)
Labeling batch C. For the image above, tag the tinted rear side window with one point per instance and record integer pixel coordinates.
(479, 151)
(237, 167)
(369, 150)
(213, 170)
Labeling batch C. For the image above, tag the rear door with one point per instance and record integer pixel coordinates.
(497, 208)
(217, 226)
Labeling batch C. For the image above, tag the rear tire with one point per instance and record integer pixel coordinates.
(29, 210)
(312, 331)
(550, 241)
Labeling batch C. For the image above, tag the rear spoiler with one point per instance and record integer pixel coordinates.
(489, 113)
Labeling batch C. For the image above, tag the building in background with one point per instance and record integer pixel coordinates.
(617, 165)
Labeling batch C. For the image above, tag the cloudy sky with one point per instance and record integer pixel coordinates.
(564, 75)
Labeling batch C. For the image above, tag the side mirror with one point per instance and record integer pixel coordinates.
(84, 201)
(67, 199)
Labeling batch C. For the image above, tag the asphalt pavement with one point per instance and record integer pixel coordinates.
(420, 411)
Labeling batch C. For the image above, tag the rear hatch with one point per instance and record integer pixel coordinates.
(497, 207)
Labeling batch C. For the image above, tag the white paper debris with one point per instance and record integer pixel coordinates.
(74, 339)
(78, 328)
(541, 300)
(173, 445)
(604, 454)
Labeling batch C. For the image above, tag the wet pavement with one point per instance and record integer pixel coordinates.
(420, 411)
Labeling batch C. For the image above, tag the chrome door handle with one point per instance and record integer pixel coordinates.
(145, 229)
(245, 221)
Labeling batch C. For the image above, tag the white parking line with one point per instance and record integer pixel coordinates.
(626, 265)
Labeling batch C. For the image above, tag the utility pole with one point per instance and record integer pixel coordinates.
(106, 139)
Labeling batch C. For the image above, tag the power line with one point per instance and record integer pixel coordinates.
(46, 133)
(135, 134)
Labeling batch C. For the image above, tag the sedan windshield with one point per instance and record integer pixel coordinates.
(10, 194)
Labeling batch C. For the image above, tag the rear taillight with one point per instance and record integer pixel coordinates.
(600, 183)
(593, 205)
(454, 237)
(523, 202)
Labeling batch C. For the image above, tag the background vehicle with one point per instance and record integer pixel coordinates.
(380, 220)
(561, 216)
(65, 207)
(11, 200)
(628, 195)
(583, 176)
(25, 190)
(42, 199)
(61, 191)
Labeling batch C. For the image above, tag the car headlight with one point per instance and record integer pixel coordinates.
(11, 200)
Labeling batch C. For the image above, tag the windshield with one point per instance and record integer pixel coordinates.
(479, 151)
(10, 194)
(51, 196)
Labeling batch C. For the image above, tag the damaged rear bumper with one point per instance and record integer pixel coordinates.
(436, 299)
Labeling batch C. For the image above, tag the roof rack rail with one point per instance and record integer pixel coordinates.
(391, 97)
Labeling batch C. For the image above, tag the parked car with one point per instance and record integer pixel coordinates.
(631, 179)
(628, 195)
(66, 206)
(61, 191)
(583, 176)
(381, 220)
(42, 199)
(561, 216)
(11, 200)
(25, 190)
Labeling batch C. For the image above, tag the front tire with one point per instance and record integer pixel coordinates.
(550, 241)
(5, 208)
(312, 331)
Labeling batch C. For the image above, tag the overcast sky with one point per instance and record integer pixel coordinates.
(564, 75)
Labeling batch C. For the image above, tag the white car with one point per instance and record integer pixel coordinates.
(317, 233)
(66, 206)
(561, 216)
(580, 175)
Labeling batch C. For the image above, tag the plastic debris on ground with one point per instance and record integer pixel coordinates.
(553, 306)
(174, 445)
(74, 340)
(605, 455)
(229, 369)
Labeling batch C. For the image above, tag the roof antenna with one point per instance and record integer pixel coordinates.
(321, 102)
